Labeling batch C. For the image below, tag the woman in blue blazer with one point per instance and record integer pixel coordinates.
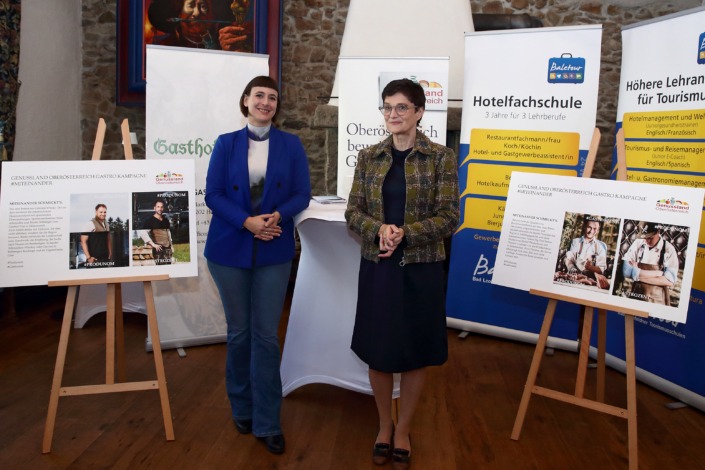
(257, 182)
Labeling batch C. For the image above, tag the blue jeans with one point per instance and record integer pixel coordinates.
(253, 300)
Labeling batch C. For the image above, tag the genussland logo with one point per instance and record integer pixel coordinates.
(701, 49)
(566, 69)
(433, 91)
(672, 205)
(169, 177)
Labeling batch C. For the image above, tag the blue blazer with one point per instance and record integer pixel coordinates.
(287, 189)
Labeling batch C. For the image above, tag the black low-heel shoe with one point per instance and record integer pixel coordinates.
(274, 444)
(401, 458)
(243, 426)
(381, 453)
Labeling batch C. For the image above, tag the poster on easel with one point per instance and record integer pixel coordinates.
(598, 240)
(661, 112)
(532, 112)
(76, 220)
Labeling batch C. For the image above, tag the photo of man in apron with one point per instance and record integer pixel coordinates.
(652, 263)
(156, 233)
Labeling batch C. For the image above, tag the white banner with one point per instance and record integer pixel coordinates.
(563, 235)
(675, 83)
(74, 220)
(192, 98)
(360, 123)
(551, 86)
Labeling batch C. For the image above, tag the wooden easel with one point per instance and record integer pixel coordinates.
(114, 333)
(578, 397)
(629, 413)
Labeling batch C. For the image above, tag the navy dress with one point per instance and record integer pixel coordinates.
(400, 324)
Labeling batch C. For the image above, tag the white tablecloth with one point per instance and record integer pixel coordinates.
(317, 346)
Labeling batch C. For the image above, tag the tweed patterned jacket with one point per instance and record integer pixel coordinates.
(432, 202)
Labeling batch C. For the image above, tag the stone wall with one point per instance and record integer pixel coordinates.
(98, 84)
(312, 32)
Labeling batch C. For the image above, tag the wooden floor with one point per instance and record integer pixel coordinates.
(463, 422)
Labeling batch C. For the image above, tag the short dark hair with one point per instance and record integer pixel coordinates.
(157, 201)
(261, 81)
(410, 89)
(101, 205)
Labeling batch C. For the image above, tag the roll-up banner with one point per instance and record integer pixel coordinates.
(532, 111)
(360, 123)
(662, 112)
(192, 98)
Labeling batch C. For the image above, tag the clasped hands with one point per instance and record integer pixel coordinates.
(389, 238)
(265, 227)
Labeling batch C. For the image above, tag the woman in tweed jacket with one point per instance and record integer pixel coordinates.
(403, 203)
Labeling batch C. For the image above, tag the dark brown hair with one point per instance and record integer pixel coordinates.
(409, 88)
(261, 81)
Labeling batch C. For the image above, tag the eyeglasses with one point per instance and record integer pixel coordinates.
(401, 109)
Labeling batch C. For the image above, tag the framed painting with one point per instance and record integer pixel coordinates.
(230, 25)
